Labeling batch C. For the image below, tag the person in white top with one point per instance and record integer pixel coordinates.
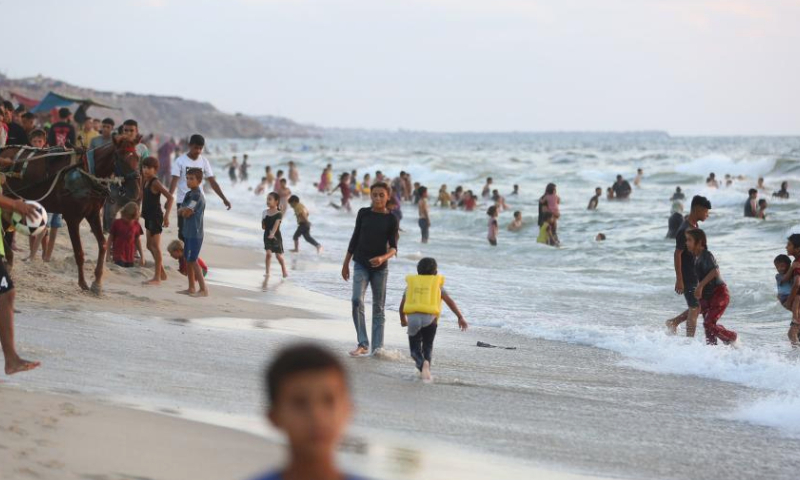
(192, 159)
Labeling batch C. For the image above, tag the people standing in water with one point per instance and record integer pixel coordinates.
(783, 192)
(609, 193)
(683, 260)
(424, 214)
(711, 181)
(792, 275)
(294, 175)
(516, 223)
(711, 291)
(516, 190)
(233, 168)
(269, 176)
(637, 181)
(420, 309)
(595, 199)
(344, 187)
(785, 282)
(487, 188)
(751, 205)
(444, 198)
(499, 201)
(273, 241)
(622, 189)
(678, 195)
(493, 227)
(675, 220)
(547, 234)
(303, 225)
(243, 174)
(373, 243)
(762, 209)
(760, 185)
(550, 203)
(284, 192)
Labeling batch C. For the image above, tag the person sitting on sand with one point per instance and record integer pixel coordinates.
(595, 199)
(783, 192)
(516, 223)
(546, 231)
(13, 362)
(192, 209)
(308, 397)
(711, 290)
(751, 205)
(124, 239)
(273, 241)
(154, 219)
(622, 189)
(303, 225)
(175, 250)
(420, 309)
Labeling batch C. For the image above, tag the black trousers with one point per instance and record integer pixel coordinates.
(304, 230)
(421, 344)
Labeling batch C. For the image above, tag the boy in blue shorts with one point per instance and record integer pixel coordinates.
(192, 209)
(309, 401)
(420, 310)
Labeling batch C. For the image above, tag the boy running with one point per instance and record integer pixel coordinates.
(303, 225)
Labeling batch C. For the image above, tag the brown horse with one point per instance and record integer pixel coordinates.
(59, 182)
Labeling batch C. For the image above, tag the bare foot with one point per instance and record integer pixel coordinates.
(426, 372)
(152, 281)
(201, 293)
(20, 365)
(186, 292)
(285, 274)
(163, 276)
(359, 352)
(319, 249)
(672, 329)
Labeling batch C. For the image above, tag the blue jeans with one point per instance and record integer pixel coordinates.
(376, 279)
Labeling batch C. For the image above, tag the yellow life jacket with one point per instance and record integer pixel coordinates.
(424, 294)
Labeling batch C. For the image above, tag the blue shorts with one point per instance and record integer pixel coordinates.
(55, 220)
(191, 248)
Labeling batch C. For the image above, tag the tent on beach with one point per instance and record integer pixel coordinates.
(57, 100)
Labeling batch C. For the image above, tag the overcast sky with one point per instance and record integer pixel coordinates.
(685, 66)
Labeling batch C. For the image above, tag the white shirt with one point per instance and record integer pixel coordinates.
(179, 168)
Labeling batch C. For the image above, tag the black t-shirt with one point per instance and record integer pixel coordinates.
(622, 189)
(687, 259)
(16, 134)
(61, 134)
(703, 265)
(675, 222)
(372, 237)
(748, 209)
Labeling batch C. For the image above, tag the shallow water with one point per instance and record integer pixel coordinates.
(614, 295)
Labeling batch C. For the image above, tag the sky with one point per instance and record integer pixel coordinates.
(690, 67)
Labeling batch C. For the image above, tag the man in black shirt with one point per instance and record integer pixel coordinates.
(62, 133)
(622, 189)
(685, 277)
(16, 134)
(373, 243)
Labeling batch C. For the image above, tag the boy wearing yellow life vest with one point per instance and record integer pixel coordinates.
(420, 310)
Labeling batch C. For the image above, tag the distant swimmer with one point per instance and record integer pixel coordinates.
(675, 220)
(728, 180)
(233, 167)
(711, 181)
(499, 201)
(609, 193)
(444, 198)
(516, 190)
(762, 209)
(547, 234)
(711, 290)
(622, 189)
(487, 189)
(493, 227)
(783, 192)
(516, 224)
(596, 199)
(600, 237)
(262, 187)
(294, 175)
(420, 310)
(760, 184)
(751, 205)
(678, 195)
(639, 175)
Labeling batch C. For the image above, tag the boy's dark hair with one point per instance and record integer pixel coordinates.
(427, 266)
(280, 172)
(677, 189)
(274, 196)
(64, 113)
(37, 133)
(700, 201)
(517, 213)
(794, 239)
(196, 172)
(550, 189)
(130, 123)
(28, 116)
(752, 191)
(108, 121)
(197, 139)
(491, 211)
(298, 359)
(294, 199)
(782, 259)
(150, 162)
(8, 105)
(546, 216)
(699, 236)
(382, 185)
(761, 202)
(422, 190)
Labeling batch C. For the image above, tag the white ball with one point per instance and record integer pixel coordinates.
(33, 225)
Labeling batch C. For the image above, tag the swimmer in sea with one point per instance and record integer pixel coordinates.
(762, 209)
(675, 220)
(487, 189)
(638, 180)
(546, 231)
(783, 192)
(516, 190)
(751, 205)
(678, 195)
(499, 201)
(444, 197)
(516, 224)
(595, 200)
(609, 193)
(600, 237)
(711, 181)
(493, 228)
(760, 184)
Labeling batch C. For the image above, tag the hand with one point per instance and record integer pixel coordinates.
(698, 292)
(462, 324)
(25, 209)
(377, 262)
(679, 286)
(271, 236)
(142, 262)
(227, 203)
(403, 322)
(346, 272)
(166, 222)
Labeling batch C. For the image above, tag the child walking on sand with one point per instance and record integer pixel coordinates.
(420, 309)
(192, 209)
(271, 224)
(711, 290)
(124, 240)
(303, 225)
(154, 218)
(493, 227)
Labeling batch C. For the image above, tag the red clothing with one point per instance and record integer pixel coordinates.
(182, 266)
(712, 310)
(125, 234)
